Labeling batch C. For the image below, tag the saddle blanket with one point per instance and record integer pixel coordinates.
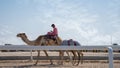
(70, 42)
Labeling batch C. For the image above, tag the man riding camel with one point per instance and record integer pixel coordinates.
(53, 34)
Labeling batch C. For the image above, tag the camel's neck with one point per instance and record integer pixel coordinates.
(27, 41)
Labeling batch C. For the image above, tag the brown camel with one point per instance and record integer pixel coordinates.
(42, 41)
(37, 42)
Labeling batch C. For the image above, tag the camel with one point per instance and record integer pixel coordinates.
(71, 42)
(37, 42)
(42, 41)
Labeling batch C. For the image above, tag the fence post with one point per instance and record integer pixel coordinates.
(110, 51)
(31, 57)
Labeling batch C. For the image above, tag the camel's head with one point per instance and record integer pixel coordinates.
(21, 35)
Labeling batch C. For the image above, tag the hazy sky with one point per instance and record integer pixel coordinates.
(90, 22)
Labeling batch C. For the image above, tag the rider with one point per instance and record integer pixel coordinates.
(53, 34)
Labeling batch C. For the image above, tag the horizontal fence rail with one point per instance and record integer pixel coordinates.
(26, 47)
(23, 47)
(56, 47)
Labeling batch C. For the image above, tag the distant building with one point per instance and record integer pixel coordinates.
(115, 44)
(7, 44)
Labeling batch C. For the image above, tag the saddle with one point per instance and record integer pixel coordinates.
(52, 37)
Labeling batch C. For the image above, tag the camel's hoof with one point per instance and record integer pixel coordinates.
(34, 64)
(67, 60)
(75, 64)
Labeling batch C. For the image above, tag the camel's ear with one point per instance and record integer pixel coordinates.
(23, 33)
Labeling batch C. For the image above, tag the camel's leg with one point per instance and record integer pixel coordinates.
(61, 54)
(70, 57)
(37, 57)
(74, 57)
(48, 57)
(81, 57)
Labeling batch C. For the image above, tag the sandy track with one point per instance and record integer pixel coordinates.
(45, 64)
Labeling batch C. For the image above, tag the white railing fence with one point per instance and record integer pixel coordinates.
(23, 47)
